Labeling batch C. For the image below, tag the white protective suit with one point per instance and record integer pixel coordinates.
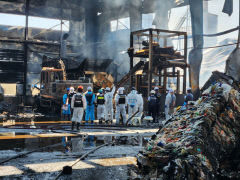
(78, 111)
(109, 104)
(132, 98)
(140, 105)
(168, 101)
(121, 106)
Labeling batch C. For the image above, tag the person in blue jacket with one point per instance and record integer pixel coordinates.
(66, 109)
(90, 98)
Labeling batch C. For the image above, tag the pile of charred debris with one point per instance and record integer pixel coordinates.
(201, 142)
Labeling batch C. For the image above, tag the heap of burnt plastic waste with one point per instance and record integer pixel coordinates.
(199, 143)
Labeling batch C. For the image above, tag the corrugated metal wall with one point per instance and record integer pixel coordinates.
(11, 65)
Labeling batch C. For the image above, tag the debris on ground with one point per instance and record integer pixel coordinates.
(201, 142)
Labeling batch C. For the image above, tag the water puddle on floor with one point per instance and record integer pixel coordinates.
(65, 143)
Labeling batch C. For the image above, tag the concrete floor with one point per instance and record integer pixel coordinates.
(110, 162)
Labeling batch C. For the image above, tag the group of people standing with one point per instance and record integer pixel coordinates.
(75, 104)
(170, 103)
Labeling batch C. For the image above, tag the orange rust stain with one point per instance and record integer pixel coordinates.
(7, 136)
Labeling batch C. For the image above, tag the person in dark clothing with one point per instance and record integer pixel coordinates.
(189, 96)
(158, 96)
(152, 104)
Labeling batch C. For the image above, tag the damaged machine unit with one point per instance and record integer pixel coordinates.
(53, 85)
(56, 78)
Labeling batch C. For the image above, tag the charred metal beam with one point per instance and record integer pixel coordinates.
(29, 42)
(26, 49)
(195, 55)
(150, 62)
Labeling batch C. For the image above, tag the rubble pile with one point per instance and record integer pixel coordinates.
(199, 143)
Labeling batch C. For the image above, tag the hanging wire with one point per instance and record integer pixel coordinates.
(46, 30)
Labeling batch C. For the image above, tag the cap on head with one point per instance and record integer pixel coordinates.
(152, 92)
(133, 88)
(89, 88)
(68, 89)
(156, 88)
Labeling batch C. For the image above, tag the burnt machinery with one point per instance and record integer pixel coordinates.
(53, 85)
(152, 51)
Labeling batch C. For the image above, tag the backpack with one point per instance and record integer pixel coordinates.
(78, 101)
(122, 99)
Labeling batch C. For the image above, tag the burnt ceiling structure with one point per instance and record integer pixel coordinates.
(89, 33)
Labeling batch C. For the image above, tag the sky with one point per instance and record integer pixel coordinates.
(37, 22)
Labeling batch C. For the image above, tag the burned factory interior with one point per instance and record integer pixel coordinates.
(120, 89)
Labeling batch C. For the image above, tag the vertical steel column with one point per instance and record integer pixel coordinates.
(238, 27)
(131, 59)
(61, 26)
(185, 68)
(137, 85)
(165, 79)
(184, 80)
(178, 81)
(150, 61)
(25, 49)
(159, 76)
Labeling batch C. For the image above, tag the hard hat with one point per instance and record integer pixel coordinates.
(156, 88)
(80, 87)
(170, 90)
(152, 92)
(120, 90)
(100, 91)
(68, 89)
(189, 89)
(89, 88)
(71, 89)
(107, 89)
